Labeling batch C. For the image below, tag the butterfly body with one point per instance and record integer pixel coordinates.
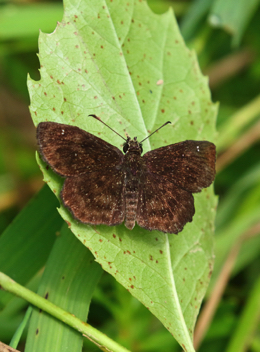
(104, 186)
(133, 168)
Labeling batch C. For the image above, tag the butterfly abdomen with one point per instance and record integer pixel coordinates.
(131, 200)
(132, 182)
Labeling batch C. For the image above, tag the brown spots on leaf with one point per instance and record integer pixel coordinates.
(86, 71)
(35, 113)
(45, 93)
(140, 83)
(191, 122)
(64, 99)
(114, 235)
(130, 279)
(150, 257)
(132, 286)
(76, 46)
(189, 112)
(53, 109)
(62, 112)
(162, 110)
(51, 77)
(143, 101)
(100, 240)
(181, 91)
(122, 22)
(120, 239)
(101, 47)
(37, 331)
(95, 97)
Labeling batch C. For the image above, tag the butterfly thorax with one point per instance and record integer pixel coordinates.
(132, 169)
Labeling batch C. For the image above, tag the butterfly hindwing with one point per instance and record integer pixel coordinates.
(96, 198)
(162, 205)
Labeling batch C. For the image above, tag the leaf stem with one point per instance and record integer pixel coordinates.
(97, 337)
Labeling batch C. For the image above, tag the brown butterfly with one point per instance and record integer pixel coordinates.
(104, 186)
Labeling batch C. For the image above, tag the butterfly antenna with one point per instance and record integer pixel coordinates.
(99, 119)
(166, 123)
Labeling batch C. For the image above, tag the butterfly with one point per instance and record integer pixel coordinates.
(104, 185)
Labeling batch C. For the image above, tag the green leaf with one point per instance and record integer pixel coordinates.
(248, 324)
(69, 280)
(129, 66)
(20, 21)
(26, 243)
(233, 16)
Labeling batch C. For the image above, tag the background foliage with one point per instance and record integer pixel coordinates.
(227, 44)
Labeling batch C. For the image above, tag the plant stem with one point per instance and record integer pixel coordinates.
(97, 337)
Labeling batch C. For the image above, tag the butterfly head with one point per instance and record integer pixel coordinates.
(133, 146)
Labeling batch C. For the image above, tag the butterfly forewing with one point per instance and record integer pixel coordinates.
(71, 151)
(189, 164)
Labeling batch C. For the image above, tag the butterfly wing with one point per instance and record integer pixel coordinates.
(162, 205)
(71, 151)
(93, 189)
(96, 198)
(189, 164)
